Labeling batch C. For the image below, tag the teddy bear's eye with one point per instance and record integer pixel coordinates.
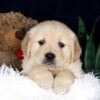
(41, 42)
(61, 45)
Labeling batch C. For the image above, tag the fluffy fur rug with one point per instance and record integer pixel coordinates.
(14, 86)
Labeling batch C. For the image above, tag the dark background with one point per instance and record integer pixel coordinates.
(63, 10)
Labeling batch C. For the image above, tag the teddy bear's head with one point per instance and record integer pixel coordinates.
(13, 27)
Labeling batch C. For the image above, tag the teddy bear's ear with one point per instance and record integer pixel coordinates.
(20, 34)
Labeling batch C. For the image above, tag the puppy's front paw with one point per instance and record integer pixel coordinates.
(63, 82)
(60, 86)
(44, 80)
(42, 77)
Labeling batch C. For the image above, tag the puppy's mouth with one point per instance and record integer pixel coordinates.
(49, 63)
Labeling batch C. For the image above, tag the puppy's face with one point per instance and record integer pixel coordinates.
(51, 44)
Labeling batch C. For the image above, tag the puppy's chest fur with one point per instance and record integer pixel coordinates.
(54, 72)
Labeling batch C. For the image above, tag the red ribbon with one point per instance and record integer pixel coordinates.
(19, 55)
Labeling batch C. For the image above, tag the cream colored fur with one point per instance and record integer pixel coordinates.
(61, 74)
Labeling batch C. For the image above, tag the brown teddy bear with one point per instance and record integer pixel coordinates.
(13, 26)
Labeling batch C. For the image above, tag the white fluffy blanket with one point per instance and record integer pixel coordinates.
(14, 86)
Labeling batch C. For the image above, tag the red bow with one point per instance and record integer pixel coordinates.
(19, 55)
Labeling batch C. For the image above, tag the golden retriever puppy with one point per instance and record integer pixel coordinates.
(51, 55)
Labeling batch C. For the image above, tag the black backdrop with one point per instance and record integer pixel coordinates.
(63, 10)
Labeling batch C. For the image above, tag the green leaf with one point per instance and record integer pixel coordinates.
(89, 57)
(97, 64)
(93, 29)
(82, 33)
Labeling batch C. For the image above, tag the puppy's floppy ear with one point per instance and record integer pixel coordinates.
(76, 50)
(26, 45)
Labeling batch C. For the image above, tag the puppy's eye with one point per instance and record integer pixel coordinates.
(61, 45)
(41, 42)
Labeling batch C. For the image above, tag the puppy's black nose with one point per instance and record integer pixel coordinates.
(50, 56)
